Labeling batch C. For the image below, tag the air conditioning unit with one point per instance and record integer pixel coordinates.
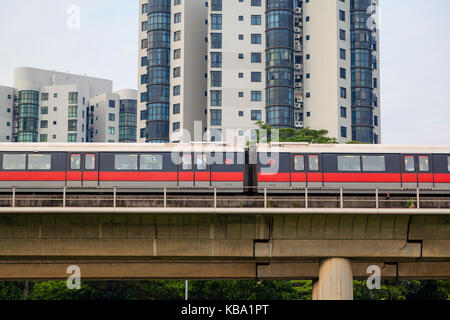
(297, 36)
(298, 84)
(298, 66)
(298, 10)
(297, 44)
(298, 105)
(299, 124)
(298, 30)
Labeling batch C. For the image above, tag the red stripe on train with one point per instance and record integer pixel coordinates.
(138, 176)
(32, 176)
(442, 177)
(362, 177)
(274, 177)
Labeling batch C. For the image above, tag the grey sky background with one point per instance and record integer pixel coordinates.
(414, 45)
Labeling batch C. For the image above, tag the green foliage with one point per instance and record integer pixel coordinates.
(11, 290)
(293, 135)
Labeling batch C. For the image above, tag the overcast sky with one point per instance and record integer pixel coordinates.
(414, 45)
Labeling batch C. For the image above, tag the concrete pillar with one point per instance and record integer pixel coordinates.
(335, 280)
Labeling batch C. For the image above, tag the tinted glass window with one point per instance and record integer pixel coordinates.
(39, 162)
(90, 162)
(75, 162)
(201, 162)
(187, 162)
(448, 163)
(374, 163)
(409, 164)
(14, 161)
(299, 163)
(424, 163)
(313, 163)
(126, 162)
(151, 162)
(349, 163)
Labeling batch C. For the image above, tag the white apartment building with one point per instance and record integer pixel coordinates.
(6, 112)
(50, 106)
(289, 63)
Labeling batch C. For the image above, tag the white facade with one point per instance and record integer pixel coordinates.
(6, 113)
(50, 106)
(322, 88)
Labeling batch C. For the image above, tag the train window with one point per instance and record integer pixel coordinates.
(349, 163)
(299, 163)
(75, 162)
(448, 164)
(126, 162)
(89, 162)
(14, 161)
(313, 163)
(409, 164)
(424, 163)
(187, 162)
(374, 163)
(201, 162)
(39, 162)
(151, 162)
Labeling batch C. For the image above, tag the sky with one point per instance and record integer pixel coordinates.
(414, 47)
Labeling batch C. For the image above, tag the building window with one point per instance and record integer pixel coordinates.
(216, 78)
(43, 138)
(176, 108)
(144, 79)
(342, 54)
(342, 73)
(112, 117)
(256, 38)
(343, 132)
(177, 36)
(176, 54)
(343, 112)
(216, 5)
(343, 93)
(216, 117)
(144, 43)
(73, 97)
(256, 115)
(72, 125)
(216, 98)
(176, 90)
(72, 137)
(112, 103)
(44, 110)
(216, 59)
(216, 40)
(341, 15)
(256, 96)
(177, 17)
(143, 114)
(111, 130)
(216, 22)
(256, 3)
(177, 72)
(73, 111)
(256, 76)
(44, 96)
(256, 20)
(44, 124)
(256, 57)
(342, 34)
(144, 62)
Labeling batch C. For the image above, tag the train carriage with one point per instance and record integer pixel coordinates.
(286, 167)
(128, 167)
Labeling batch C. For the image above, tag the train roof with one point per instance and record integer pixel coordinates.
(350, 148)
(120, 147)
(219, 147)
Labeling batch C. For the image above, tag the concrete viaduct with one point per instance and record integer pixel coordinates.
(332, 246)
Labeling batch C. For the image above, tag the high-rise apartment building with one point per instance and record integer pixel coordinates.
(50, 106)
(289, 63)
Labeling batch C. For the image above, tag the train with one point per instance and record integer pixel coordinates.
(227, 168)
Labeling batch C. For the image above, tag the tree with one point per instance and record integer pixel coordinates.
(292, 135)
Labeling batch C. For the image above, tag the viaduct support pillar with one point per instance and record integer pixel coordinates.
(335, 280)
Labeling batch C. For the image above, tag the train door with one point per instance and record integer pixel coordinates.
(314, 174)
(425, 174)
(186, 170)
(202, 170)
(409, 171)
(298, 172)
(82, 169)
